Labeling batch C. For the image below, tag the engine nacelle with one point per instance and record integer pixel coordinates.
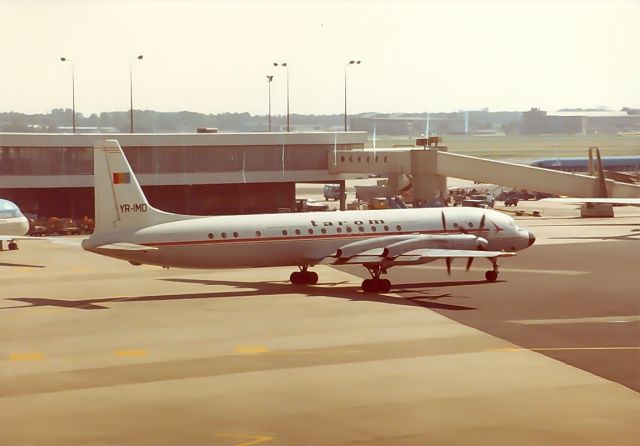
(467, 242)
(361, 246)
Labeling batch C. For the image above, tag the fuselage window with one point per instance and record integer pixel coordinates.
(223, 235)
(310, 231)
(348, 228)
(455, 225)
(258, 233)
(398, 227)
(338, 230)
(324, 230)
(386, 228)
(210, 235)
(361, 229)
(284, 232)
(235, 234)
(470, 225)
(297, 231)
(373, 228)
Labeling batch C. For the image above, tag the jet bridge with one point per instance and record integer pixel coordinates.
(430, 167)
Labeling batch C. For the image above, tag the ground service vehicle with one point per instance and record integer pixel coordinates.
(331, 192)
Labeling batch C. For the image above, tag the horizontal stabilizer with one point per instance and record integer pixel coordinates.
(123, 246)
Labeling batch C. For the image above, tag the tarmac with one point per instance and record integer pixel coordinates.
(94, 351)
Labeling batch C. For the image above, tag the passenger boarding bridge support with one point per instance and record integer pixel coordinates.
(430, 167)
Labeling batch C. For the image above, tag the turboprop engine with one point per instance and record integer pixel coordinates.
(453, 241)
(395, 245)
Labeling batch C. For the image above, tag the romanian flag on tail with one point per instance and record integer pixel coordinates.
(121, 178)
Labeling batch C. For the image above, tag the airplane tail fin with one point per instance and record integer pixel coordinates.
(119, 200)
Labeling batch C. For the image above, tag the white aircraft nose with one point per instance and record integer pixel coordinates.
(532, 238)
(24, 225)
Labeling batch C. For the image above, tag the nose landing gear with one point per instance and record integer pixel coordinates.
(492, 275)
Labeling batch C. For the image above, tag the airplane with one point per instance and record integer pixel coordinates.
(581, 164)
(127, 227)
(13, 225)
(596, 200)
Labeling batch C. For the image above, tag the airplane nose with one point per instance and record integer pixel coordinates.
(532, 238)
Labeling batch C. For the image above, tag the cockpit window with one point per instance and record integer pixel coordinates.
(8, 209)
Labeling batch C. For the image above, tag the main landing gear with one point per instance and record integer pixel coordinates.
(304, 277)
(376, 284)
(492, 275)
(12, 246)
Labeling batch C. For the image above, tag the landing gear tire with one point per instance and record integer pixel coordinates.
(296, 278)
(367, 286)
(303, 278)
(385, 285)
(491, 276)
(376, 285)
(12, 246)
(312, 277)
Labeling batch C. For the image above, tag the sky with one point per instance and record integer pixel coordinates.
(213, 56)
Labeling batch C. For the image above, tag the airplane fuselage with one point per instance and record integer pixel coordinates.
(296, 239)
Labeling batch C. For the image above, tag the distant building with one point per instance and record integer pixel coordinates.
(537, 121)
(408, 125)
(467, 122)
(188, 173)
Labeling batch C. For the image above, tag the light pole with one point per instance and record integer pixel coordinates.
(131, 91)
(269, 80)
(351, 62)
(73, 91)
(284, 64)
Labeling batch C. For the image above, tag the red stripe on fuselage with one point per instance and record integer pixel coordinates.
(308, 237)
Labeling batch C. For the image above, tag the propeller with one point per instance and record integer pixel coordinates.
(444, 225)
(448, 260)
(469, 262)
(481, 246)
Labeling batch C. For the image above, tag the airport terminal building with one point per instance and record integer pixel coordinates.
(190, 173)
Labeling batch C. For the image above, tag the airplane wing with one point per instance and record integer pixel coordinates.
(620, 201)
(414, 257)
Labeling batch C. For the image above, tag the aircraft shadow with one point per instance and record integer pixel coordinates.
(634, 237)
(255, 289)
